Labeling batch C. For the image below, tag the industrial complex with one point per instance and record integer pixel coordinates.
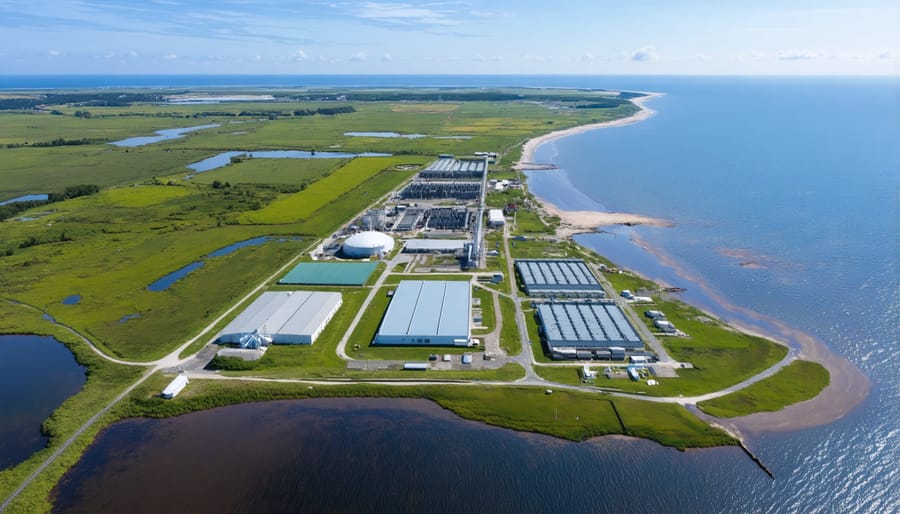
(282, 317)
(586, 330)
(427, 312)
(558, 277)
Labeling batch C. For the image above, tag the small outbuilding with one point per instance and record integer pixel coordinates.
(175, 386)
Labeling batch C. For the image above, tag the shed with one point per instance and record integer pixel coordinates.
(175, 387)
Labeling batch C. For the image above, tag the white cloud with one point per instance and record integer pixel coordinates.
(887, 55)
(54, 53)
(170, 57)
(798, 55)
(299, 55)
(586, 57)
(535, 58)
(132, 54)
(405, 14)
(387, 57)
(644, 54)
(358, 57)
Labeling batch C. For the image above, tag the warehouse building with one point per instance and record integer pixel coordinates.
(434, 245)
(586, 329)
(495, 218)
(448, 167)
(284, 317)
(558, 277)
(427, 313)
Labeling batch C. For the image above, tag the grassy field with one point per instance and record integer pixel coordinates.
(510, 340)
(294, 172)
(565, 414)
(799, 381)
(322, 193)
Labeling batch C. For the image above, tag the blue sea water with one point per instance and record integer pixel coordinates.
(784, 192)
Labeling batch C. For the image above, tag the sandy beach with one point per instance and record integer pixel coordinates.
(527, 159)
(848, 386)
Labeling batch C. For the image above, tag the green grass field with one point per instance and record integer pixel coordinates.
(796, 382)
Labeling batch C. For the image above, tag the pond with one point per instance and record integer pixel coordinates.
(165, 282)
(384, 134)
(37, 373)
(162, 135)
(224, 158)
(26, 198)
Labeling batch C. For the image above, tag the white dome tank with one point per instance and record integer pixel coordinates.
(368, 244)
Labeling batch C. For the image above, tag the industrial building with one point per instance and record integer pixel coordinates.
(454, 169)
(427, 313)
(448, 218)
(434, 245)
(367, 244)
(495, 218)
(558, 277)
(442, 190)
(283, 317)
(330, 273)
(586, 329)
(409, 220)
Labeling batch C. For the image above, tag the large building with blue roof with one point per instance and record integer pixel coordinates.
(427, 313)
(572, 328)
(558, 277)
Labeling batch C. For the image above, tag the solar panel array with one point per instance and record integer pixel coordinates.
(449, 168)
(572, 277)
(586, 325)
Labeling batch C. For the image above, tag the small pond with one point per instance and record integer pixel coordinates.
(165, 282)
(163, 135)
(224, 158)
(37, 373)
(25, 198)
(384, 134)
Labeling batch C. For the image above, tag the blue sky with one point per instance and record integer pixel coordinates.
(487, 36)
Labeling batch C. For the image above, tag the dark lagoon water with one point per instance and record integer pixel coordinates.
(378, 455)
(224, 158)
(37, 374)
(785, 195)
(162, 135)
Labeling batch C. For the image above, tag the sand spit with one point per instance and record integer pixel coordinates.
(577, 222)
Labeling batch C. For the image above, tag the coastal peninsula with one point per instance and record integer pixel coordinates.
(189, 250)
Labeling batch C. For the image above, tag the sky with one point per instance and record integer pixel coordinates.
(450, 37)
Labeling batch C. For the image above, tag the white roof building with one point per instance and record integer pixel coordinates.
(284, 317)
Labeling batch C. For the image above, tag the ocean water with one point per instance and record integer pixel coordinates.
(785, 196)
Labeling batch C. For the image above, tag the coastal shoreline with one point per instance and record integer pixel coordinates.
(848, 387)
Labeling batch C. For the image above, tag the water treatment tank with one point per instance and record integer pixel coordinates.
(368, 244)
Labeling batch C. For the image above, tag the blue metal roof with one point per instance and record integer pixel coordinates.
(586, 325)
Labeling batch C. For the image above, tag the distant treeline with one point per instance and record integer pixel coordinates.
(60, 141)
(12, 209)
(478, 96)
(79, 99)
